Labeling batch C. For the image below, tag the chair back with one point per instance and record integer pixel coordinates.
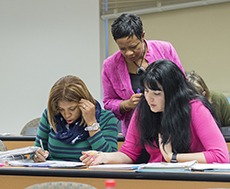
(225, 130)
(55, 185)
(33, 125)
(2, 146)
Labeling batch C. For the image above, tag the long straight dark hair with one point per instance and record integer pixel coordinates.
(174, 122)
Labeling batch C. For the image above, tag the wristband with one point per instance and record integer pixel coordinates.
(173, 160)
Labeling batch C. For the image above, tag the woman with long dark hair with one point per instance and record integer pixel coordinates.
(172, 121)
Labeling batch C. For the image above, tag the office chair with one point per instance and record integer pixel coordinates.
(31, 127)
(2, 146)
(56, 185)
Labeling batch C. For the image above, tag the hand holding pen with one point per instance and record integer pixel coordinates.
(41, 154)
(92, 158)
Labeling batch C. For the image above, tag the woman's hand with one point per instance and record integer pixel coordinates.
(167, 151)
(127, 105)
(133, 101)
(88, 111)
(92, 157)
(40, 156)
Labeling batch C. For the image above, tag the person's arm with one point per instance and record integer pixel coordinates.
(111, 99)
(180, 157)
(105, 158)
(105, 139)
(209, 134)
(43, 132)
(130, 104)
(117, 91)
(205, 131)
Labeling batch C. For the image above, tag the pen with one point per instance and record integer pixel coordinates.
(138, 90)
(93, 153)
(41, 145)
(37, 165)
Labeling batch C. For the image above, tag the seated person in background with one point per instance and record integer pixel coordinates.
(171, 121)
(74, 122)
(218, 100)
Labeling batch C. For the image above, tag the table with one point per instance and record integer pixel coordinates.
(13, 142)
(21, 177)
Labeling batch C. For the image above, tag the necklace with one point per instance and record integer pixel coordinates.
(140, 69)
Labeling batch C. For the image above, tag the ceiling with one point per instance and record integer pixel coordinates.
(113, 8)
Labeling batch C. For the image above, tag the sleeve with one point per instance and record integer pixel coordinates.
(132, 146)
(204, 125)
(43, 131)
(106, 139)
(172, 55)
(175, 57)
(111, 98)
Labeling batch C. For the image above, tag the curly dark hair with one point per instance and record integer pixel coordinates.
(127, 25)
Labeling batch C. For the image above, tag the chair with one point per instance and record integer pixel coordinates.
(2, 146)
(31, 127)
(228, 99)
(225, 130)
(61, 185)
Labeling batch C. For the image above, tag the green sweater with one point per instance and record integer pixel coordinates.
(105, 140)
(221, 105)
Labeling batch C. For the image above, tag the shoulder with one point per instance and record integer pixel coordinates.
(197, 108)
(199, 111)
(44, 119)
(113, 59)
(196, 104)
(107, 119)
(106, 114)
(44, 114)
(217, 96)
(158, 44)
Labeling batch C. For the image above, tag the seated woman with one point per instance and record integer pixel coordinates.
(74, 122)
(218, 100)
(171, 121)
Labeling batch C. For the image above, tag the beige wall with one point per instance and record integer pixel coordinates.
(201, 36)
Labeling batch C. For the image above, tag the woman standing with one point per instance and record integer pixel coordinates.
(122, 71)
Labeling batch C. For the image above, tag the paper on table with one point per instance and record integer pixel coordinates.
(116, 166)
(17, 154)
(214, 166)
(19, 151)
(48, 163)
(165, 165)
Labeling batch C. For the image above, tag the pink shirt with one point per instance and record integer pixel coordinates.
(206, 138)
(116, 80)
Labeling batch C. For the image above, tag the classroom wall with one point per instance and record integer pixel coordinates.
(201, 37)
(41, 41)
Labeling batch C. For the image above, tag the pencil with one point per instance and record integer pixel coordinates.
(41, 145)
(93, 153)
